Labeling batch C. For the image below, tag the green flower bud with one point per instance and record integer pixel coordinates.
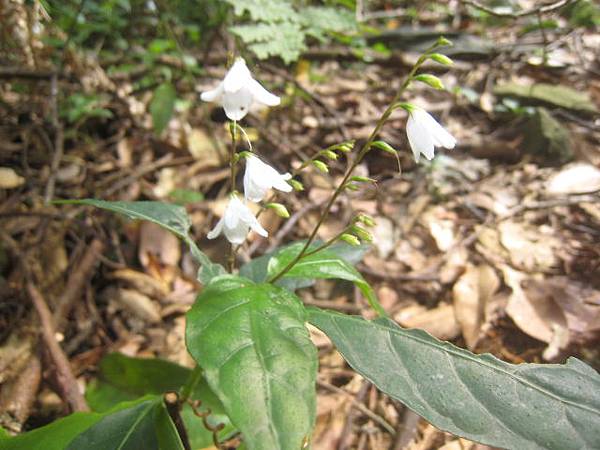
(384, 146)
(430, 80)
(365, 219)
(351, 187)
(350, 239)
(296, 185)
(442, 41)
(442, 59)
(360, 179)
(320, 165)
(279, 209)
(362, 233)
(329, 154)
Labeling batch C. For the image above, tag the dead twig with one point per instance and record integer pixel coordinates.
(76, 282)
(539, 10)
(362, 408)
(64, 375)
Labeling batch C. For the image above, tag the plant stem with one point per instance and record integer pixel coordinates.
(188, 388)
(357, 160)
(232, 164)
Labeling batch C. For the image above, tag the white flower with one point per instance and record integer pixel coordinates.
(238, 91)
(424, 133)
(236, 222)
(260, 177)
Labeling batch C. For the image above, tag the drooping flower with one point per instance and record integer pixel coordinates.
(237, 222)
(260, 177)
(425, 133)
(238, 91)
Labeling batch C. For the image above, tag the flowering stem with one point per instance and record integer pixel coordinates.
(232, 166)
(357, 160)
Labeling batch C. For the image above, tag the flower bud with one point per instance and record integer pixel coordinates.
(279, 209)
(362, 233)
(430, 80)
(442, 59)
(329, 154)
(296, 185)
(360, 179)
(442, 41)
(384, 146)
(350, 239)
(365, 219)
(351, 187)
(320, 165)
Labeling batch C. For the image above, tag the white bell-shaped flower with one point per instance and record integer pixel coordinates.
(236, 222)
(425, 133)
(260, 177)
(238, 91)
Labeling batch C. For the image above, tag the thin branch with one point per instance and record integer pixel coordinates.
(64, 375)
(543, 9)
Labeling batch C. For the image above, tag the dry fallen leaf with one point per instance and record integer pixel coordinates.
(530, 248)
(471, 294)
(576, 178)
(9, 178)
(158, 242)
(439, 321)
(135, 302)
(539, 319)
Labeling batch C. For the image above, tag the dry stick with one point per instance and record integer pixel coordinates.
(64, 376)
(58, 140)
(528, 12)
(407, 429)
(76, 282)
(362, 408)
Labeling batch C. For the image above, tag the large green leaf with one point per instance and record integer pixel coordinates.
(60, 433)
(171, 217)
(525, 406)
(55, 436)
(257, 356)
(124, 378)
(145, 425)
(256, 269)
(323, 264)
(162, 106)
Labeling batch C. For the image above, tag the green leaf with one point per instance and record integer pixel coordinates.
(323, 264)
(130, 428)
(54, 436)
(256, 270)
(257, 356)
(259, 37)
(162, 106)
(171, 217)
(525, 406)
(78, 427)
(124, 378)
(267, 10)
(145, 425)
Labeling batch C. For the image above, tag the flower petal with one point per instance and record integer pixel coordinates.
(213, 95)
(237, 104)
(261, 95)
(237, 235)
(238, 77)
(216, 231)
(440, 136)
(419, 139)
